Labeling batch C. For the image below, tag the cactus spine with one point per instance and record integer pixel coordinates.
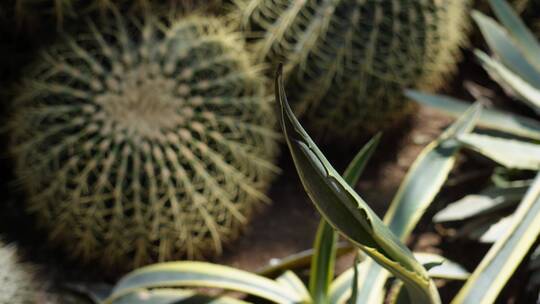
(347, 61)
(144, 140)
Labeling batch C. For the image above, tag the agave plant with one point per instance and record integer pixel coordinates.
(344, 211)
(513, 144)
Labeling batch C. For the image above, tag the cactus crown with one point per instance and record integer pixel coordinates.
(145, 140)
(17, 283)
(349, 60)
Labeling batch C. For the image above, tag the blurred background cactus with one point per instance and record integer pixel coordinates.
(346, 62)
(28, 10)
(144, 140)
(17, 282)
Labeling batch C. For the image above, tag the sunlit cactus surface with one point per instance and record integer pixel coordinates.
(144, 140)
(347, 61)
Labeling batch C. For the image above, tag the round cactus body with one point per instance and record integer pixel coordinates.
(347, 62)
(17, 282)
(145, 141)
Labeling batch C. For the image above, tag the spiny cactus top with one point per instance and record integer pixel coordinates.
(17, 282)
(145, 140)
(347, 61)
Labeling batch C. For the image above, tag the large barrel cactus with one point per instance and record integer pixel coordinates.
(17, 282)
(347, 61)
(144, 140)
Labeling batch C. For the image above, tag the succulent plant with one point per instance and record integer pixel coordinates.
(144, 140)
(347, 61)
(17, 282)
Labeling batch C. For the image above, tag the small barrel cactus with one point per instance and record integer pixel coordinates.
(145, 140)
(347, 61)
(17, 282)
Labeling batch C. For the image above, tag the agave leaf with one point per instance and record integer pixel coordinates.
(448, 270)
(438, 267)
(290, 280)
(474, 228)
(322, 267)
(467, 207)
(506, 254)
(354, 283)
(398, 295)
(510, 153)
(200, 274)
(420, 186)
(518, 30)
(358, 164)
(346, 211)
(341, 288)
(427, 175)
(489, 118)
(489, 200)
(444, 269)
(497, 230)
(506, 49)
(173, 296)
(299, 260)
(511, 82)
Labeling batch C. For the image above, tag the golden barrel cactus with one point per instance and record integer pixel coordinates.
(347, 61)
(144, 140)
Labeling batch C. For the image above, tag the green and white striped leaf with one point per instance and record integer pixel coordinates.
(422, 183)
(506, 50)
(340, 289)
(510, 153)
(201, 274)
(489, 118)
(497, 230)
(322, 267)
(524, 38)
(445, 268)
(506, 254)
(346, 211)
(492, 199)
(354, 283)
(510, 81)
(290, 280)
(438, 267)
(298, 260)
(173, 296)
